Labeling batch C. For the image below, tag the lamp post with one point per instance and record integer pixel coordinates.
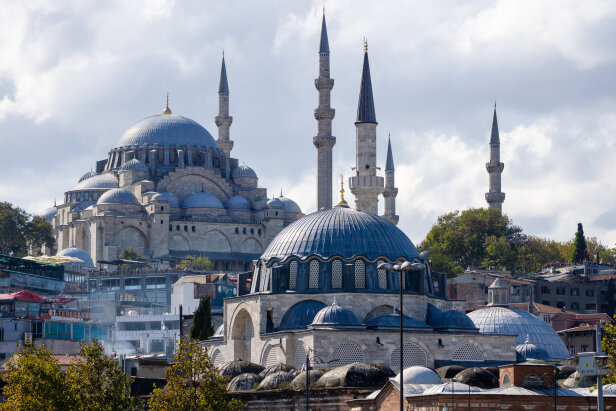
(401, 269)
(453, 393)
(315, 360)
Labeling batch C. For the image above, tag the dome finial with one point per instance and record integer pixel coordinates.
(280, 191)
(342, 202)
(365, 45)
(334, 302)
(167, 110)
(527, 339)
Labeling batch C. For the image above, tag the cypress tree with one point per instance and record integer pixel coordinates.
(202, 327)
(579, 245)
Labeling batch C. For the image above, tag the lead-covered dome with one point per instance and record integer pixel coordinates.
(167, 130)
(118, 196)
(335, 315)
(417, 374)
(134, 165)
(87, 175)
(238, 203)
(201, 200)
(529, 351)
(167, 197)
(99, 181)
(243, 171)
(508, 320)
(48, 214)
(75, 252)
(341, 231)
(289, 205)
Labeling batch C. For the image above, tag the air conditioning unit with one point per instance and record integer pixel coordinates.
(28, 338)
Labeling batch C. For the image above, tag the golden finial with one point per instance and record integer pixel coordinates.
(365, 44)
(342, 202)
(223, 53)
(323, 8)
(167, 110)
(494, 104)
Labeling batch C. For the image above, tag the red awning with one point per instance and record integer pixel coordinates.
(24, 295)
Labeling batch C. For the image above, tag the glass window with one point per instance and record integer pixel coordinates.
(575, 291)
(154, 282)
(132, 283)
(590, 293)
(560, 290)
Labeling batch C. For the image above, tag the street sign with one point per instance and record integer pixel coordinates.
(587, 364)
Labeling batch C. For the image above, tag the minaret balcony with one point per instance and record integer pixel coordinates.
(324, 83)
(495, 167)
(324, 113)
(324, 141)
(495, 197)
(223, 120)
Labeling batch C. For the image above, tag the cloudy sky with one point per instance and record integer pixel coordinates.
(74, 75)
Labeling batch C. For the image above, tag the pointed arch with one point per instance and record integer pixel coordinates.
(215, 241)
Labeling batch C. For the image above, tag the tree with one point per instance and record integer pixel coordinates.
(202, 327)
(499, 253)
(34, 381)
(537, 253)
(200, 263)
(579, 245)
(608, 344)
(193, 383)
(132, 255)
(19, 230)
(39, 233)
(97, 382)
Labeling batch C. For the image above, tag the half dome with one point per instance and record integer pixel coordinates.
(118, 196)
(301, 314)
(392, 320)
(289, 205)
(201, 200)
(87, 175)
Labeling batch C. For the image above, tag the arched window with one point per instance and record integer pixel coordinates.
(467, 352)
(293, 275)
(413, 355)
(336, 274)
(382, 276)
(300, 356)
(377, 312)
(270, 357)
(313, 281)
(506, 381)
(348, 353)
(217, 358)
(360, 274)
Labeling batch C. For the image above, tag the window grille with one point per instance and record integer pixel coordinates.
(293, 275)
(382, 275)
(467, 352)
(377, 312)
(217, 358)
(360, 274)
(270, 358)
(347, 353)
(314, 274)
(300, 356)
(337, 274)
(413, 355)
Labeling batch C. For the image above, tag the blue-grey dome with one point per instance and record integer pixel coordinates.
(99, 181)
(275, 203)
(201, 200)
(448, 319)
(48, 214)
(419, 375)
(73, 251)
(507, 320)
(300, 314)
(118, 196)
(168, 197)
(335, 315)
(243, 171)
(87, 175)
(167, 130)
(391, 320)
(289, 205)
(238, 203)
(83, 205)
(341, 231)
(134, 165)
(529, 351)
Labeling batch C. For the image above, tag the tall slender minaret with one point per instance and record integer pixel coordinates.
(223, 119)
(495, 197)
(390, 191)
(365, 184)
(324, 114)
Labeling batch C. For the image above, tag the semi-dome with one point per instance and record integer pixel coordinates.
(301, 314)
(508, 320)
(201, 200)
(75, 252)
(529, 351)
(167, 130)
(134, 165)
(392, 320)
(335, 315)
(341, 231)
(243, 171)
(97, 182)
(87, 175)
(289, 205)
(419, 375)
(448, 319)
(168, 197)
(275, 203)
(48, 214)
(118, 196)
(238, 203)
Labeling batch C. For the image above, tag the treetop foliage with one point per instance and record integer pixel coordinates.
(20, 230)
(202, 326)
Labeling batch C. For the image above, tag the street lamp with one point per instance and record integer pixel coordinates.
(400, 269)
(315, 360)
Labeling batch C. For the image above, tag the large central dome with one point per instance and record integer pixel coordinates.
(344, 232)
(167, 130)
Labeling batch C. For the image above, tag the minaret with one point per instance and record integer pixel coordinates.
(495, 197)
(223, 119)
(390, 191)
(366, 185)
(324, 114)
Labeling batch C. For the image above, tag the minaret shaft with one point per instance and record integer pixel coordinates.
(390, 192)
(223, 120)
(495, 197)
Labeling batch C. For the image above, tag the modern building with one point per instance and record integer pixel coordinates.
(143, 334)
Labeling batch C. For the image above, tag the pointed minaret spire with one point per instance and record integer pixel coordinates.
(366, 185)
(390, 192)
(223, 119)
(494, 196)
(324, 114)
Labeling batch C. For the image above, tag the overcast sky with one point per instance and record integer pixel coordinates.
(75, 75)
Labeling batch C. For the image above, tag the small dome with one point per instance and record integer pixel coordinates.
(75, 252)
(419, 375)
(275, 203)
(48, 214)
(134, 165)
(220, 331)
(243, 171)
(301, 314)
(87, 175)
(529, 351)
(168, 197)
(244, 382)
(335, 315)
(84, 205)
(201, 200)
(118, 196)
(391, 320)
(455, 387)
(234, 368)
(98, 181)
(289, 205)
(448, 319)
(477, 377)
(274, 380)
(238, 203)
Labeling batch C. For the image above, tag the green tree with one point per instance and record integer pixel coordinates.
(499, 253)
(131, 255)
(19, 230)
(97, 382)
(537, 253)
(608, 344)
(38, 233)
(193, 383)
(202, 327)
(579, 245)
(200, 263)
(34, 381)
